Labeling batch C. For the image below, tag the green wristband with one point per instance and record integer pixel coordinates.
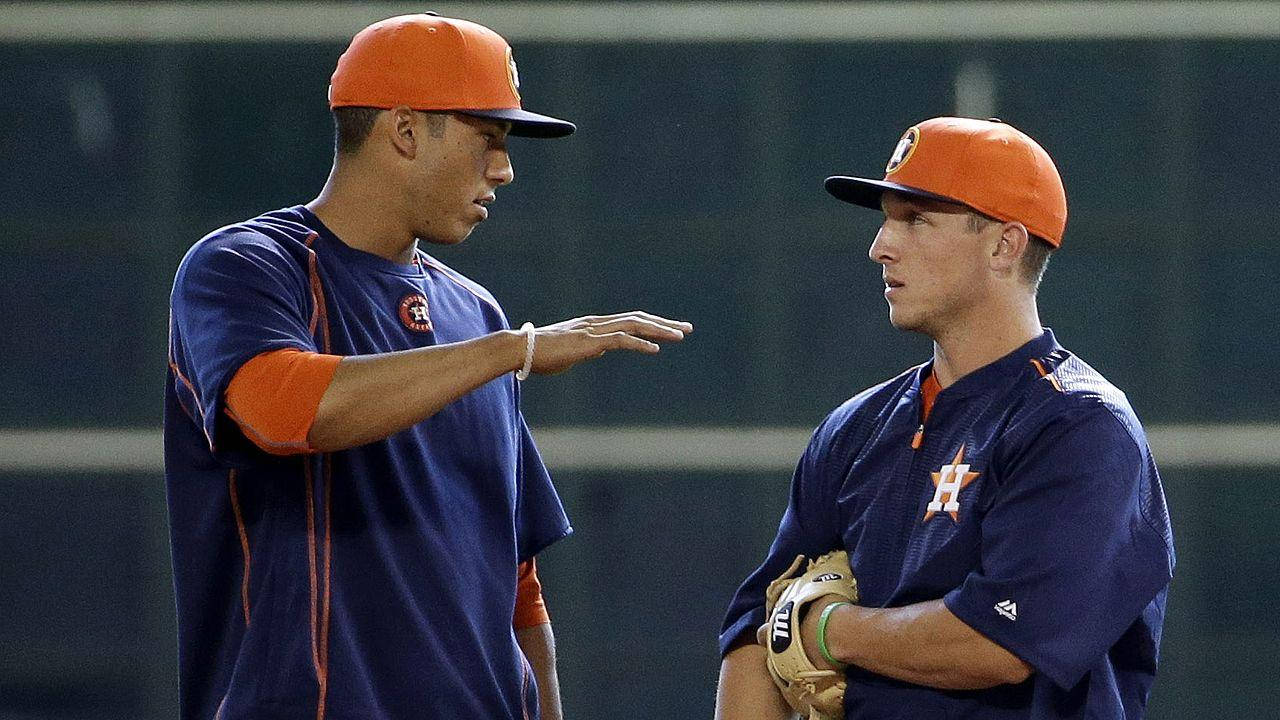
(822, 633)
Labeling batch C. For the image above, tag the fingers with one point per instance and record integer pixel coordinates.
(684, 327)
(565, 344)
(640, 327)
(622, 341)
(762, 635)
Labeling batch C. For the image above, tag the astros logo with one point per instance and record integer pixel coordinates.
(513, 75)
(902, 153)
(414, 313)
(948, 482)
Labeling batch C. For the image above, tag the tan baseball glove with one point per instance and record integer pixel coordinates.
(815, 694)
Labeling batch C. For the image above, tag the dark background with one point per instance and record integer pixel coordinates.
(692, 189)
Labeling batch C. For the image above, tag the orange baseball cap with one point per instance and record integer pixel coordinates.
(988, 165)
(428, 62)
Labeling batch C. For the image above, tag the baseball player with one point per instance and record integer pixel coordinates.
(355, 500)
(998, 505)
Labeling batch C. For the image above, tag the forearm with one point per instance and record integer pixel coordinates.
(373, 396)
(539, 646)
(745, 691)
(923, 644)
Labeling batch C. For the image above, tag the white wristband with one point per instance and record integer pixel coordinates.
(523, 372)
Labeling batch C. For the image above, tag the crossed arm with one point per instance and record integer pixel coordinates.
(924, 644)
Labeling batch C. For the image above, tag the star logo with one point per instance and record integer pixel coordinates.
(947, 483)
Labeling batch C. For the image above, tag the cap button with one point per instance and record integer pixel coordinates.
(995, 119)
(432, 13)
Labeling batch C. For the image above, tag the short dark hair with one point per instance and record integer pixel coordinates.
(351, 127)
(1034, 259)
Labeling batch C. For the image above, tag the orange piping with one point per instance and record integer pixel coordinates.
(320, 646)
(1046, 374)
(244, 542)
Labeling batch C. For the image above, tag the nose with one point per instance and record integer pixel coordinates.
(881, 250)
(500, 169)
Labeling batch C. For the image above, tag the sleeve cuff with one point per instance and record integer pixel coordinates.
(982, 616)
(744, 626)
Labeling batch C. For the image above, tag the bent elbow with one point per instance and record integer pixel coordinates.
(1014, 672)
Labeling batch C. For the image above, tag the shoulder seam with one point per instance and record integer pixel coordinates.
(458, 280)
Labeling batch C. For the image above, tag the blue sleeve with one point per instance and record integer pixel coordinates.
(234, 297)
(808, 527)
(1074, 547)
(540, 517)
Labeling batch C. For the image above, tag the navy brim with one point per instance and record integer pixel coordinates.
(865, 192)
(527, 124)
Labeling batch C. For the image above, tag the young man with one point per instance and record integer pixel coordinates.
(999, 505)
(355, 500)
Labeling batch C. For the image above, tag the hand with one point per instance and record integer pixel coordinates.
(560, 346)
(809, 630)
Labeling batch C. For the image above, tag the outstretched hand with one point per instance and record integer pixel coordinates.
(560, 346)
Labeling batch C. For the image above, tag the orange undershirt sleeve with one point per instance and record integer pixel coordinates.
(531, 610)
(274, 397)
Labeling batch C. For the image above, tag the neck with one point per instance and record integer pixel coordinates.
(961, 348)
(356, 209)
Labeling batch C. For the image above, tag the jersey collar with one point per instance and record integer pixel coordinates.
(995, 375)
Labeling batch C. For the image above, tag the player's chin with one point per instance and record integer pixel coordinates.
(902, 319)
(453, 235)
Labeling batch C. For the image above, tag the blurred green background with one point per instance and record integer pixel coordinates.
(692, 189)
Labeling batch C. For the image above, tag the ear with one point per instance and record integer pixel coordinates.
(1009, 247)
(403, 130)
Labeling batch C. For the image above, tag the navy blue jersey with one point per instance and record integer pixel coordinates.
(1032, 507)
(374, 583)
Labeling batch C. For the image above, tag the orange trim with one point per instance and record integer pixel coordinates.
(328, 575)
(531, 609)
(244, 542)
(182, 403)
(1046, 374)
(321, 311)
(320, 645)
(314, 278)
(173, 366)
(311, 560)
(194, 398)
